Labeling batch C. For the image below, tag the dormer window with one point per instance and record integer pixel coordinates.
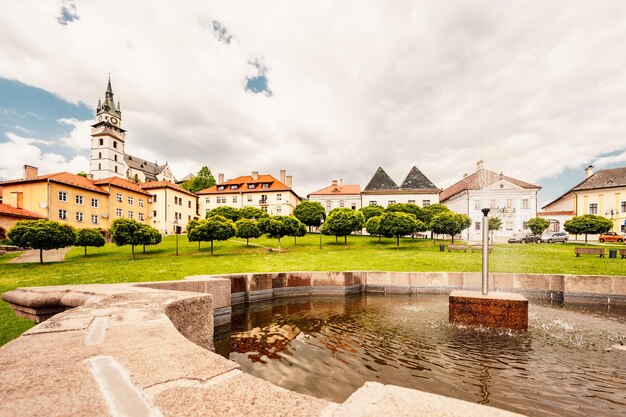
(233, 187)
(221, 187)
(251, 185)
(265, 185)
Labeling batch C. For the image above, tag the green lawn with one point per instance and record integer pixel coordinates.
(112, 264)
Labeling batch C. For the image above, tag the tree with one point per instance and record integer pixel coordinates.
(372, 226)
(89, 237)
(230, 213)
(247, 229)
(191, 224)
(464, 221)
(250, 212)
(82, 174)
(203, 180)
(427, 213)
(274, 228)
(42, 235)
(342, 222)
(214, 228)
(538, 225)
(405, 208)
(126, 232)
(294, 227)
(587, 224)
(446, 223)
(398, 224)
(495, 223)
(371, 211)
(310, 213)
(147, 236)
(136, 179)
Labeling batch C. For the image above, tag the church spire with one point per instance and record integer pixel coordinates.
(109, 91)
(106, 110)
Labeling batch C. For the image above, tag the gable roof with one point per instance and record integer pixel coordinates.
(8, 210)
(121, 183)
(416, 180)
(150, 169)
(605, 178)
(475, 182)
(381, 181)
(164, 184)
(242, 183)
(348, 189)
(63, 178)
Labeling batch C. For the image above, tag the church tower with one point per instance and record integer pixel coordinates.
(107, 139)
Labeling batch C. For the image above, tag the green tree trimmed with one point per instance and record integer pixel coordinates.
(446, 223)
(230, 213)
(247, 229)
(342, 222)
(147, 236)
(274, 228)
(398, 224)
(587, 224)
(494, 223)
(371, 211)
(310, 213)
(538, 225)
(42, 235)
(89, 237)
(126, 232)
(213, 228)
(404, 208)
(294, 227)
(191, 224)
(372, 226)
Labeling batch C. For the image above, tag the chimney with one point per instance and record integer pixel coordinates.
(220, 178)
(282, 175)
(341, 182)
(480, 165)
(589, 171)
(255, 175)
(30, 172)
(90, 177)
(335, 182)
(289, 180)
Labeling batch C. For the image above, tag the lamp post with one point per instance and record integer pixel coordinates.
(612, 212)
(321, 223)
(485, 250)
(176, 232)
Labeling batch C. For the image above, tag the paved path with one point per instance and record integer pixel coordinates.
(54, 255)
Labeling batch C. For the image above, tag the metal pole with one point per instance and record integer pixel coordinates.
(485, 251)
(320, 230)
(177, 243)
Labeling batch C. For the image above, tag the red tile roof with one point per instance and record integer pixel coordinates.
(164, 184)
(121, 183)
(352, 189)
(63, 178)
(475, 182)
(242, 185)
(556, 213)
(8, 210)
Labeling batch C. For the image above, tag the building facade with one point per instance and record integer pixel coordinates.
(171, 205)
(512, 200)
(261, 191)
(415, 189)
(108, 157)
(338, 195)
(125, 200)
(10, 215)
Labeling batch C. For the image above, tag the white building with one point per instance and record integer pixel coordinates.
(260, 191)
(415, 189)
(514, 201)
(170, 203)
(338, 195)
(108, 157)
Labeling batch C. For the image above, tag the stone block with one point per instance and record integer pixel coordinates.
(260, 282)
(619, 285)
(238, 283)
(326, 279)
(531, 282)
(219, 288)
(299, 279)
(279, 280)
(496, 309)
(588, 284)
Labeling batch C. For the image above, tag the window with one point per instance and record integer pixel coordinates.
(116, 168)
(141, 202)
(118, 197)
(525, 203)
(63, 214)
(130, 214)
(329, 204)
(180, 216)
(234, 199)
(265, 185)
(62, 196)
(390, 202)
(115, 158)
(251, 185)
(509, 203)
(493, 203)
(525, 225)
(249, 198)
(278, 210)
(79, 199)
(99, 166)
(141, 216)
(509, 225)
(233, 187)
(593, 208)
(99, 155)
(131, 200)
(118, 212)
(94, 203)
(477, 204)
(207, 211)
(115, 144)
(189, 204)
(353, 206)
(342, 203)
(425, 203)
(373, 203)
(623, 206)
(154, 198)
(207, 200)
(477, 225)
(154, 213)
(79, 216)
(221, 187)
(94, 218)
(411, 201)
(279, 197)
(101, 142)
(263, 199)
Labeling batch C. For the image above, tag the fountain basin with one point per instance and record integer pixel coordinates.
(496, 309)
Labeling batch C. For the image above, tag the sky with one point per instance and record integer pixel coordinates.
(323, 89)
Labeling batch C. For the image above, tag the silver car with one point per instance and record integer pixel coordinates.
(554, 237)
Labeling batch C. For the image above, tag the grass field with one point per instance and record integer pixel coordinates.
(112, 264)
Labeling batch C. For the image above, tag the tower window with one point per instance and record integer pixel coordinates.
(99, 155)
(115, 144)
(99, 167)
(115, 158)
(116, 168)
(101, 141)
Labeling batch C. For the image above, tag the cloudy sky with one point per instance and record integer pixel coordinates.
(323, 89)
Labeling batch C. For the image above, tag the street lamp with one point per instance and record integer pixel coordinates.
(321, 222)
(612, 212)
(485, 251)
(176, 230)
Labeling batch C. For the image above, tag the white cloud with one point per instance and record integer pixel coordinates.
(530, 87)
(78, 138)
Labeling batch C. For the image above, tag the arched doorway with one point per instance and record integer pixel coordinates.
(555, 226)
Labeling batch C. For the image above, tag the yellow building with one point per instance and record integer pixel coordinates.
(126, 200)
(170, 203)
(602, 193)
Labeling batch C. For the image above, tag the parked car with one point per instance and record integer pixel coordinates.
(529, 238)
(554, 237)
(611, 237)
